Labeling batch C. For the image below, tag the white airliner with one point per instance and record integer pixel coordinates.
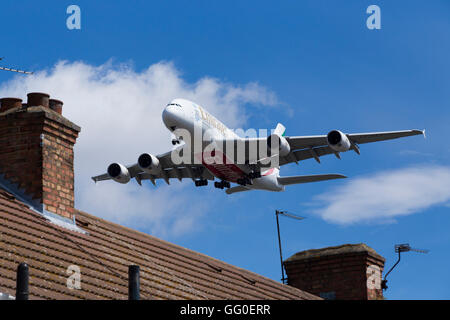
(251, 171)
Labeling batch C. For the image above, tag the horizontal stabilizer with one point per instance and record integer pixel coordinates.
(236, 189)
(305, 179)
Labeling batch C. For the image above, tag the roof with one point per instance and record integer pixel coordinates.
(104, 253)
(331, 251)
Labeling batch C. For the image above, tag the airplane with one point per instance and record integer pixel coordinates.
(253, 171)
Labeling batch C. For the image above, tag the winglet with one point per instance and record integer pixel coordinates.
(424, 135)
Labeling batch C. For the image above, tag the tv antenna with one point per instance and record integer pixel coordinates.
(399, 248)
(14, 70)
(292, 216)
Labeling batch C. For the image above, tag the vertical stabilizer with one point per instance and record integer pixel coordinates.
(280, 129)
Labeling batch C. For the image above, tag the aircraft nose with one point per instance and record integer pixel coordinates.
(172, 116)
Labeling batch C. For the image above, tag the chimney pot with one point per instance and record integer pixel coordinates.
(56, 105)
(9, 103)
(38, 99)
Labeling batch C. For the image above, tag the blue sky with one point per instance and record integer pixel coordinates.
(326, 70)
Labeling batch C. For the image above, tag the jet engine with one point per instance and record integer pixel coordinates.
(338, 141)
(118, 173)
(148, 163)
(283, 145)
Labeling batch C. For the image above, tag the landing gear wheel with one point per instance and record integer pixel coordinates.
(254, 175)
(255, 172)
(222, 184)
(244, 181)
(201, 183)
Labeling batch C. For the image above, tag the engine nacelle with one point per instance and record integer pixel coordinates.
(148, 163)
(118, 173)
(282, 146)
(338, 141)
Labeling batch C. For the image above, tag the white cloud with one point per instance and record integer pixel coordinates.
(119, 111)
(385, 195)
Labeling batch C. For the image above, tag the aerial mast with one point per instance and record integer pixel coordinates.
(14, 70)
(289, 215)
(399, 248)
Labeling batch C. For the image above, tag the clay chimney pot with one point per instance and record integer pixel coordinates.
(9, 103)
(56, 105)
(38, 99)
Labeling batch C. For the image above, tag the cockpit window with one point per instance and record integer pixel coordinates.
(174, 104)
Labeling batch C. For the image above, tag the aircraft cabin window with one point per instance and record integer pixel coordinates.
(174, 104)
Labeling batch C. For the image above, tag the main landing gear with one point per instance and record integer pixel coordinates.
(175, 141)
(254, 174)
(201, 183)
(244, 181)
(222, 184)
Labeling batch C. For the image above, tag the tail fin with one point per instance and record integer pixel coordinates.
(280, 129)
(305, 179)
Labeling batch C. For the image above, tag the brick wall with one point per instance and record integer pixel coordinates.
(36, 152)
(348, 272)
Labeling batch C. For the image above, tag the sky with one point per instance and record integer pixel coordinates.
(312, 65)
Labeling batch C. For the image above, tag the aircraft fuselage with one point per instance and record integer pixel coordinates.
(186, 115)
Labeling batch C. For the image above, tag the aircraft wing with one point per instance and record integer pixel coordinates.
(168, 171)
(359, 138)
(308, 147)
(305, 147)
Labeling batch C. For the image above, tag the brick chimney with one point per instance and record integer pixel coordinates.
(346, 272)
(36, 151)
